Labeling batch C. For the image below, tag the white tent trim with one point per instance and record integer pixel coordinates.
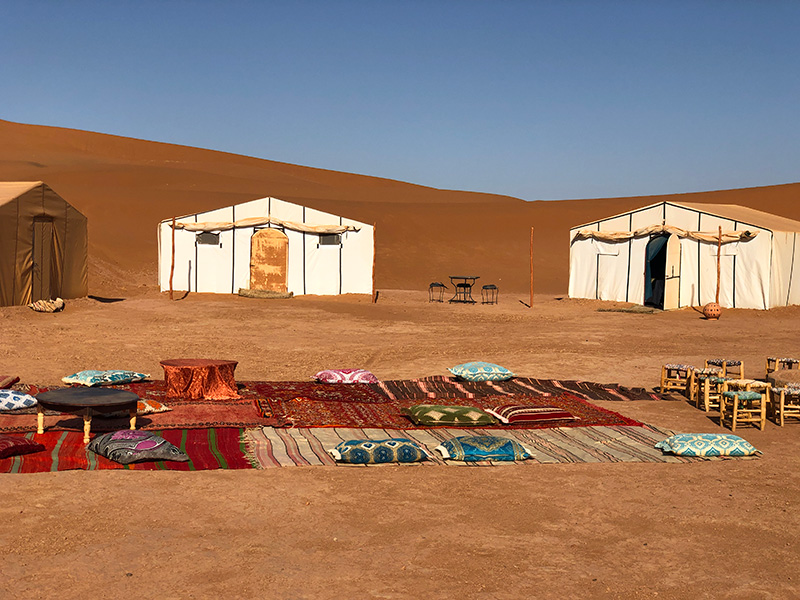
(318, 262)
(757, 263)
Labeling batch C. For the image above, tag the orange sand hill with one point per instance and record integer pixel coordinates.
(126, 186)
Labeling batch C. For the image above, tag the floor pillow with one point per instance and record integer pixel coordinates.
(6, 381)
(706, 444)
(362, 452)
(143, 407)
(481, 371)
(14, 445)
(345, 376)
(12, 400)
(132, 445)
(109, 377)
(435, 414)
(483, 447)
(510, 414)
(47, 306)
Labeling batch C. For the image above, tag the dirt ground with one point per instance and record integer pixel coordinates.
(720, 529)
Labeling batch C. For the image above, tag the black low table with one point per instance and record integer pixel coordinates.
(86, 401)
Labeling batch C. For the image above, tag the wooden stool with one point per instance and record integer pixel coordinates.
(710, 393)
(730, 368)
(785, 403)
(697, 380)
(774, 363)
(743, 407)
(675, 377)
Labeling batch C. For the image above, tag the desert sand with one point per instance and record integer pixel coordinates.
(716, 529)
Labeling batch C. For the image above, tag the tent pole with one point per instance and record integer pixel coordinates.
(374, 292)
(719, 247)
(531, 304)
(172, 263)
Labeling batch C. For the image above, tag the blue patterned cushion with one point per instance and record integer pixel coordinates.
(111, 377)
(481, 371)
(12, 400)
(707, 444)
(483, 447)
(362, 452)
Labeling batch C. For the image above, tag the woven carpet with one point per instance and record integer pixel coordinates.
(214, 448)
(268, 447)
(437, 386)
(306, 412)
(185, 414)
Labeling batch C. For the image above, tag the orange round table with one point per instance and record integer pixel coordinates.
(200, 379)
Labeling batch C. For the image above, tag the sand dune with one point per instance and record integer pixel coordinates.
(126, 186)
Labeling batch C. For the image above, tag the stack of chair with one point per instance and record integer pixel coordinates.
(705, 385)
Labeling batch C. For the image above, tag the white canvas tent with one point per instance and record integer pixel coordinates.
(266, 244)
(665, 254)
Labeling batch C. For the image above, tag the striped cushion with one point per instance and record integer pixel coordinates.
(516, 413)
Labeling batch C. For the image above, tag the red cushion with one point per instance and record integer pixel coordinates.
(13, 445)
(516, 413)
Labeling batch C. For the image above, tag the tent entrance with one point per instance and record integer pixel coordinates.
(655, 269)
(269, 260)
(42, 287)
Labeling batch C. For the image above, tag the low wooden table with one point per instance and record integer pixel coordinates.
(86, 401)
(200, 379)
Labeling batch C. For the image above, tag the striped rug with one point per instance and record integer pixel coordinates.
(270, 447)
(214, 448)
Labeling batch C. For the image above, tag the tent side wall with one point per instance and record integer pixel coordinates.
(785, 288)
(313, 268)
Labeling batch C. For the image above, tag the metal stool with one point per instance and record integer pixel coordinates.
(489, 294)
(436, 292)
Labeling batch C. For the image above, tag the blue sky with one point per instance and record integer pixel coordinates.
(538, 100)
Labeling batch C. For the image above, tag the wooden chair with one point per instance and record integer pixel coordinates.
(675, 377)
(785, 403)
(741, 404)
(730, 367)
(774, 363)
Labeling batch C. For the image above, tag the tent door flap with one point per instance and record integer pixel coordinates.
(269, 260)
(672, 274)
(41, 279)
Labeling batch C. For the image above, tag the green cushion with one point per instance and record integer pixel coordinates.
(435, 414)
(744, 395)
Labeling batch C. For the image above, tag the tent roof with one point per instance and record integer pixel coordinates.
(734, 212)
(13, 189)
(746, 215)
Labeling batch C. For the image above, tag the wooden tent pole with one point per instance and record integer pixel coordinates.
(531, 304)
(719, 248)
(374, 292)
(172, 264)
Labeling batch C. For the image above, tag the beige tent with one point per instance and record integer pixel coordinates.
(43, 245)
